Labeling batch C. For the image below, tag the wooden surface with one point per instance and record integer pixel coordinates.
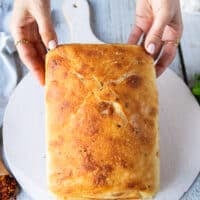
(112, 20)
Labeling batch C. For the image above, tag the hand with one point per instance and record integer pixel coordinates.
(33, 32)
(160, 22)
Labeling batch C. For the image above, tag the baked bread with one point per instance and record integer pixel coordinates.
(101, 122)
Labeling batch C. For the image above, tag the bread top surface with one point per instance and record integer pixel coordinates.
(101, 122)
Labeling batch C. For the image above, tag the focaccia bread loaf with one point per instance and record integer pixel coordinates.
(101, 122)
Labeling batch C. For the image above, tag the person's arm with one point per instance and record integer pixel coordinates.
(33, 32)
(160, 22)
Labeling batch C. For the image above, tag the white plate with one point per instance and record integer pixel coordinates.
(24, 138)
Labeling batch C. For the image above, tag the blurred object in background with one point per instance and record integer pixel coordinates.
(190, 5)
(5, 13)
(196, 87)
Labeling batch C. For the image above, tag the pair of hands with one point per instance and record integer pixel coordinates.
(158, 21)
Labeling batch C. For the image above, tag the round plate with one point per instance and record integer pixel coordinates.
(24, 137)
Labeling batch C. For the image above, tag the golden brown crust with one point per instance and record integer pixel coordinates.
(101, 122)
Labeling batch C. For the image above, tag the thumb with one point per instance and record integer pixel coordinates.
(153, 40)
(46, 30)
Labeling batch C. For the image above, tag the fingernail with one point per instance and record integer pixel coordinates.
(151, 48)
(52, 44)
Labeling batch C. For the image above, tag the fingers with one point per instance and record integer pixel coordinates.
(160, 24)
(30, 57)
(41, 50)
(46, 29)
(153, 41)
(171, 36)
(135, 35)
(140, 29)
(32, 52)
(33, 60)
(143, 21)
(168, 54)
(31, 22)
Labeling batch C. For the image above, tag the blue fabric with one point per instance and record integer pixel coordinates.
(8, 71)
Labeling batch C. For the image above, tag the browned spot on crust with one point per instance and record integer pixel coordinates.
(124, 164)
(89, 123)
(132, 185)
(67, 174)
(102, 174)
(134, 81)
(119, 126)
(107, 95)
(65, 74)
(64, 105)
(126, 105)
(83, 69)
(118, 194)
(55, 83)
(149, 186)
(92, 127)
(56, 62)
(105, 108)
(157, 154)
(88, 163)
(144, 139)
(118, 50)
(139, 61)
(68, 106)
(118, 65)
(106, 169)
(149, 123)
(112, 84)
(143, 187)
(118, 158)
(135, 128)
(137, 185)
(92, 53)
(153, 111)
(100, 180)
(89, 53)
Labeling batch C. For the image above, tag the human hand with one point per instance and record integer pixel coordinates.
(33, 32)
(161, 23)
